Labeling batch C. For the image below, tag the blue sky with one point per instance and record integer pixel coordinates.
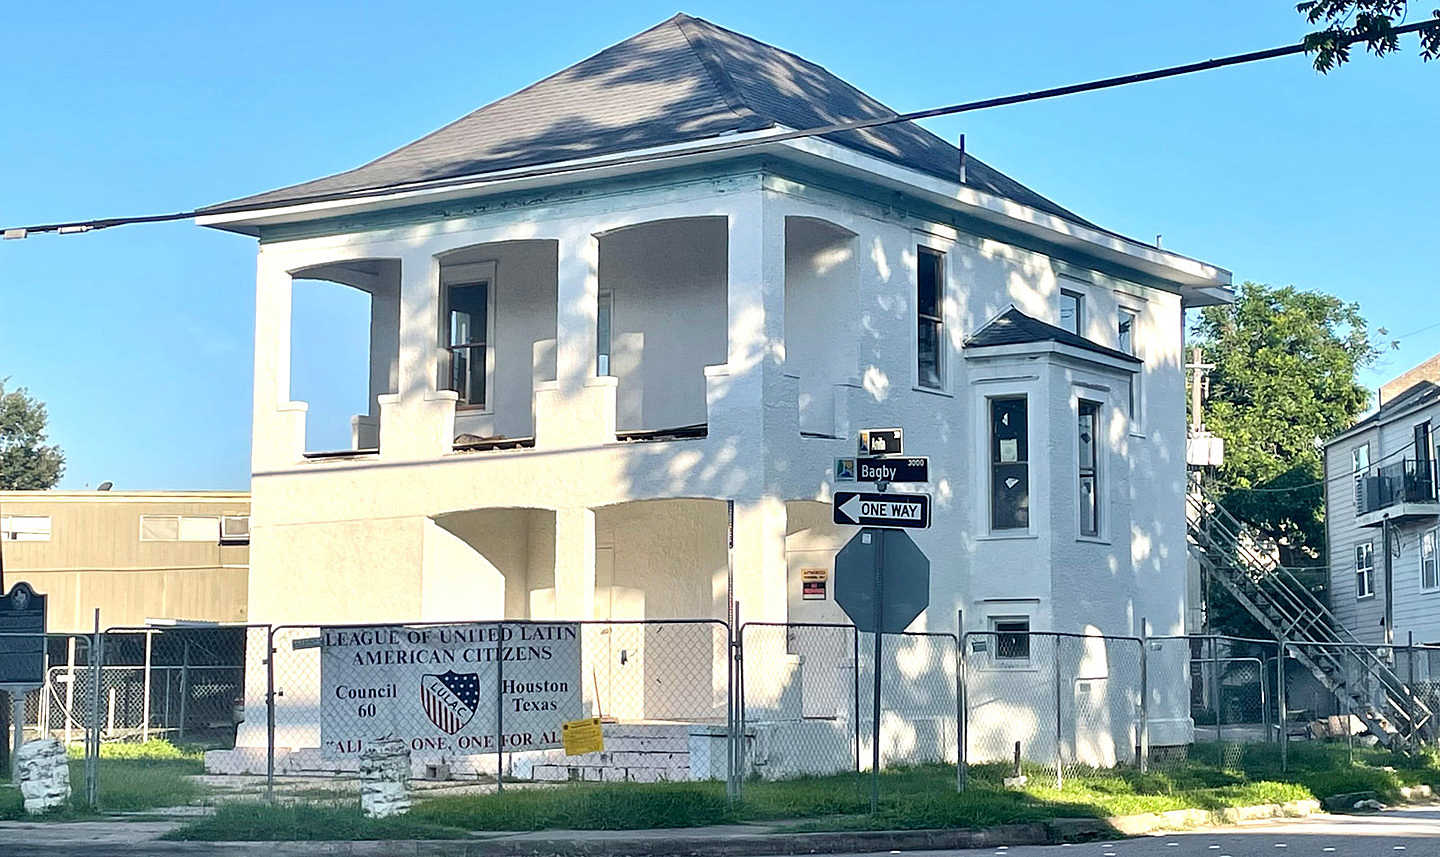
(139, 338)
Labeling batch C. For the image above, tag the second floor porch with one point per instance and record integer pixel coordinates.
(1400, 491)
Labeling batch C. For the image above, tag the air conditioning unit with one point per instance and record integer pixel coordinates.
(235, 530)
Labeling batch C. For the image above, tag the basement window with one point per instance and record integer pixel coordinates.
(1012, 639)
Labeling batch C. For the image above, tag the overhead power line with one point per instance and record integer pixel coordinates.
(77, 226)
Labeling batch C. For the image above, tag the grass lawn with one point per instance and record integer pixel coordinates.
(913, 798)
(133, 777)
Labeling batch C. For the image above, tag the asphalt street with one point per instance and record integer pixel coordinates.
(1413, 832)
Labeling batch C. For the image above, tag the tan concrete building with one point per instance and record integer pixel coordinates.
(136, 555)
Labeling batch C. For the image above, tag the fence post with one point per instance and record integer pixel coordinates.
(740, 748)
(1059, 756)
(500, 709)
(960, 737)
(269, 706)
(732, 701)
(1349, 733)
(855, 632)
(1218, 701)
(145, 688)
(69, 687)
(1264, 702)
(92, 728)
(1410, 660)
(1144, 695)
(1280, 704)
(185, 679)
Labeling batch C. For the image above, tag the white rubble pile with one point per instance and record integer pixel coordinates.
(44, 775)
(384, 778)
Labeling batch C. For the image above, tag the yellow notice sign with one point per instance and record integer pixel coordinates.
(582, 736)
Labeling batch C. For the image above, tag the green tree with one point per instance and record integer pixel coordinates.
(1344, 23)
(1284, 382)
(26, 461)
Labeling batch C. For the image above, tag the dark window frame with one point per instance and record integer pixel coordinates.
(930, 324)
(1079, 298)
(1012, 639)
(469, 348)
(1016, 513)
(1090, 509)
(1365, 572)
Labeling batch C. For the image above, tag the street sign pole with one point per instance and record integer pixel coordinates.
(875, 708)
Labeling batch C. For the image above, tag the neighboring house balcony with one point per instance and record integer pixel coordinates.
(1399, 492)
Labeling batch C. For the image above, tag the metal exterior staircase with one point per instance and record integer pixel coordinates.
(1356, 673)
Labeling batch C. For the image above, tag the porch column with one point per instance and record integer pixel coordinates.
(577, 409)
(574, 563)
(748, 400)
(419, 329)
(384, 342)
(759, 557)
(577, 294)
(418, 420)
(279, 424)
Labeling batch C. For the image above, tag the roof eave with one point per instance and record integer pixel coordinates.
(1199, 283)
(1046, 347)
(1200, 280)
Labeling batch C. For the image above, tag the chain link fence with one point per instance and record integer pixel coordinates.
(808, 699)
(682, 700)
(1058, 704)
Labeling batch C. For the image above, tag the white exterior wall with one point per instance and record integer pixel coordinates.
(361, 530)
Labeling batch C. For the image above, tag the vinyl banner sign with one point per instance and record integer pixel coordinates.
(449, 689)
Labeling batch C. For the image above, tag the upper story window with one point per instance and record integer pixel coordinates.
(25, 528)
(1364, 570)
(179, 528)
(467, 299)
(1125, 330)
(604, 312)
(1429, 572)
(1089, 472)
(1009, 464)
(930, 317)
(1072, 309)
(1359, 463)
(467, 310)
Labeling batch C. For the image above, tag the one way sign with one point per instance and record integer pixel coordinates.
(911, 511)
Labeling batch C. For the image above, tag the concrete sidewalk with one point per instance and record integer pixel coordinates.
(123, 838)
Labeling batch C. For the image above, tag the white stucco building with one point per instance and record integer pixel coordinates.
(605, 306)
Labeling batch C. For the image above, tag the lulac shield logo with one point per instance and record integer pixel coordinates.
(450, 699)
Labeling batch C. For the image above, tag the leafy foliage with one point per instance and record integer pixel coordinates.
(1284, 382)
(26, 461)
(1369, 22)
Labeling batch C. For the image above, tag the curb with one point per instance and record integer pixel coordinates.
(673, 843)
